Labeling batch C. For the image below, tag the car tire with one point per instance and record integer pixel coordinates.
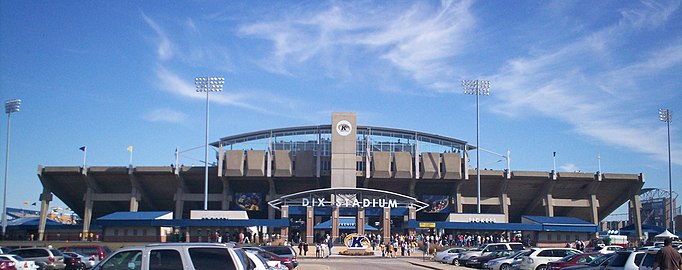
(541, 267)
(505, 267)
(455, 262)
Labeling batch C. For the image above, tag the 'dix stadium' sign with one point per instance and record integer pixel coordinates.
(348, 197)
(344, 202)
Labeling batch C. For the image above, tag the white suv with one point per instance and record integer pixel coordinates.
(177, 256)
(538, 258)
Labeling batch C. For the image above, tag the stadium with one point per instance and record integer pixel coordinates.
(328, 179)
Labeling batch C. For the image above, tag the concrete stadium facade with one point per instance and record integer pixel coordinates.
(270, 165)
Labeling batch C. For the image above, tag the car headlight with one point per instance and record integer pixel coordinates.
(473, 260)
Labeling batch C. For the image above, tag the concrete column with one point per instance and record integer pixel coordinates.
(335, 222)
(360, 221)
(504, 207)
(45, 199)
(284, 231)
(549, 205)
(386, 217)
(226, 194)
(134, 203)
(179, 204)
(457, 196)
(87, 216)
(309, 222)
(636, 207)
(412, 215)
(594, 207)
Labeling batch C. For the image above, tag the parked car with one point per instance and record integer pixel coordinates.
(598, 263)
(284, 251)
(570, 260)
(448, 252)
(73, 262)
(609, 249)
(539, 257)
(19, 262)
(272, 259)
(177, 256)
(485, 250)
(478, 262)
(626, 260)
(647, 262)
(6, 264)
(46, 258)
(96, 252)
(505, 263)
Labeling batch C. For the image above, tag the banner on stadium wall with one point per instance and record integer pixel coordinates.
(249, 201)
(437, 203)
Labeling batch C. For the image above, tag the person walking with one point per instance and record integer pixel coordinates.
(667, 258)
(330, 245)
(305, 248)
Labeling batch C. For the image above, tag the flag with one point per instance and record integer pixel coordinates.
(82, 148)
(34, 204)
(130, 148)
(555, 154)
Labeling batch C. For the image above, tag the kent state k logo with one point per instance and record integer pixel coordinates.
(356, 241)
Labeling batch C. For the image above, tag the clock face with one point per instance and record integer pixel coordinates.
(343, 128)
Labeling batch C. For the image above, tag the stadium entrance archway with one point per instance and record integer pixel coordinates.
(340, 202)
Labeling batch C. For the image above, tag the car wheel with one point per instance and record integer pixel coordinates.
(505, 267)
(541, 267)
(455, 262)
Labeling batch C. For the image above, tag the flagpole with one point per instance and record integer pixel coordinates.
(85, 153)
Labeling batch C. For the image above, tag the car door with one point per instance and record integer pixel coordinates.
(123, 260)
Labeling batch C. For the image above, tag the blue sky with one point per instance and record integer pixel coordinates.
(582, 78)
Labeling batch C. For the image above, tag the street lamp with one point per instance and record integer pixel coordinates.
(478, 88)
(11, 106)
(666, 115)
(208, 84)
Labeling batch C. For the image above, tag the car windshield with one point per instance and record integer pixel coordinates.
(520, 253)
(569, 257)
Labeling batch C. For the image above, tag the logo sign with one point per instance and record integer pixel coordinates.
(344, 128)
(427, 224)
(356, 241)
(477, 218)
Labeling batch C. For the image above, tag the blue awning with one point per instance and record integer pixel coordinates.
(414, 224)
(345, 223)
(197, 223)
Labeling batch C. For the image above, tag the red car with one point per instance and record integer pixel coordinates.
(7, 265)
(575, 259)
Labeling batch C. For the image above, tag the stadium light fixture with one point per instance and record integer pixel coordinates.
(478, 88)
(666, 115)
(11, 106)
(208, 84)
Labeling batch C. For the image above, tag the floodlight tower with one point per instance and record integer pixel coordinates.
(666, 115)
(208, 84)
(478, 88)
(11, 106)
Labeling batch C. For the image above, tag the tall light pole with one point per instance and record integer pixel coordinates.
(478, 88)
(11, 106)
(666, 115)
(208, 84)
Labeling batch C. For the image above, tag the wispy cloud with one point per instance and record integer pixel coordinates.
(165, 115)
(578, 84)
(164, 48)
(569, 167)
(415, 40)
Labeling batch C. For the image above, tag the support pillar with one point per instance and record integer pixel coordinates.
(549, 205)
(309, 222)
(412, 215)
(226, 197)
(134, 202)
(284, 231)
(594, 207)
(386, 225)
(636, 209)
(335, 223)
(179, 204)
(87, 216)
(45, 199)
(360, 221)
